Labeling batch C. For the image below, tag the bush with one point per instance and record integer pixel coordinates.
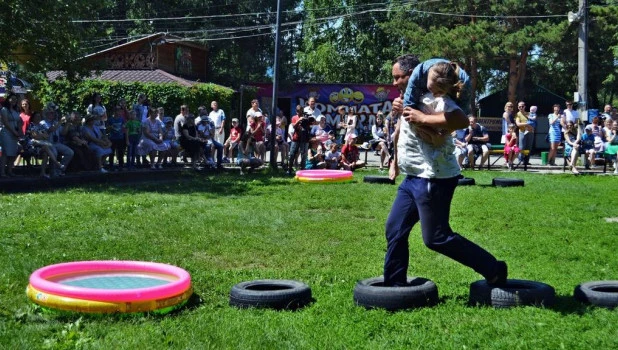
(76, 96)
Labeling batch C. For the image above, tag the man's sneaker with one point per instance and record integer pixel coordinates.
(501, 274)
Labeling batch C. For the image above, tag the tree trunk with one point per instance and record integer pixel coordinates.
(517, 74)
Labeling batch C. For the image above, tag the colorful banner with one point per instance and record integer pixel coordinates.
(367, 99)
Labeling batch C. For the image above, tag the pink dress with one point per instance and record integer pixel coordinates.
(510, 146)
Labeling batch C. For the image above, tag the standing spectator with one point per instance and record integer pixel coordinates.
(97, 108)
(161, 115)
(25, 114)
(336, 122)
(572, 145)
(124, 110)
(141, 108)
(281, 145)
(477, 139)
(96, 140)
(151, 143)
(607, 113)
(508, 118)
(351, 123)
(526, 131)
(302, 130)
(180, 120)
(555, 136)
(10, 133)
(257, 129)
(511, 148)
(255, 108)
(118, 138)
(53, 127)
(218, 117)
(232, 141)
(611, 147)
(134, 133)
(311, 109)
(569, 115)
(350, 154)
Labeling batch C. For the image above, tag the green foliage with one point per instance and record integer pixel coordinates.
(72, 96)
(224, 229)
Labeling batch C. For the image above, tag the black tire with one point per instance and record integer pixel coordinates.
(512, 293)
(506, 182)
(372, 294)
(466, 181)
(274, 294)
(378, 180)
(599, 293)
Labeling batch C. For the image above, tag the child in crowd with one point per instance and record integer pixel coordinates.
(315, 155)
(350, 154)
(532, 117)
(232, 141)
(133, 135)
(333, 156)
(118, 137)
(169, 138)
(511, 148)
(588, 146)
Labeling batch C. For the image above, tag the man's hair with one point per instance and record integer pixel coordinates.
(407, 62)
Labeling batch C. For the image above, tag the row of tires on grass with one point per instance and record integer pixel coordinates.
(466, 181)
(420, 292)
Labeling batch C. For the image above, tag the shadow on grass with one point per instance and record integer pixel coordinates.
(172, 181)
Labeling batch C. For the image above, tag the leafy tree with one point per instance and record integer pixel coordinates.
(44, 37)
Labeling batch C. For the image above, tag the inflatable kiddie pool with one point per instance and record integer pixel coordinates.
(110, 286)
(323, 176)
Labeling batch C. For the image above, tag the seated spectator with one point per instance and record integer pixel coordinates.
(321, 129)
(315, 155)
(83, 158)
(191, 142)
(571, 145)
(247, 159)
(378, 143)
(588, 146)
(333, 157)
(206, 130)
(461, 147)
(38, 144)
(96, 140)
(151, 142)
(350, 154)
(53, 128)
(511, 147)
(169, 138)
(477, 139)
(232, 141)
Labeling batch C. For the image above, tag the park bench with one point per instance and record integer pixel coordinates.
(498, 150)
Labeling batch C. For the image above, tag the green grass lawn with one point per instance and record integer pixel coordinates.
(227, 229)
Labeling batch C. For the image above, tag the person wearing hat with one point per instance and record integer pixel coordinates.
(321, 129)
(97, 143)
(350, 154)
(301, 126)
(206, 130)
(232, 141)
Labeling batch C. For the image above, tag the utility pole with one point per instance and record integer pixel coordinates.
(582, 61)
(273, 110)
